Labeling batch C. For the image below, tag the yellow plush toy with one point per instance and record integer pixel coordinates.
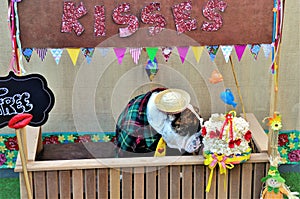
(275, 186)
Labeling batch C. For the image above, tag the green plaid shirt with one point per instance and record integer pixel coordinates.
(133, 132)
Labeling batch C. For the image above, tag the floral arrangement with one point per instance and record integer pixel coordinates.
(226, 142)
(226, 134)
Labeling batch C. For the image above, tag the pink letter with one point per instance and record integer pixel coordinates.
(99, 24)
(210, 12)
(148, 17)
(70, 18)
(182, 17)
(131, 20)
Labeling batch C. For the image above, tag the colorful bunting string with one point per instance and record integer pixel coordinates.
(56, 53)
(151, 68)
(27, 52)
(212, 51)
(182, 53)
(197, 50)
(120, 53)
(239, 50)
(226, 52)
(254, 49)
(152, 52)
(41, 53)
(88, 54)
(104, 51)
(73, 53)
(166, 52)
(135, 54)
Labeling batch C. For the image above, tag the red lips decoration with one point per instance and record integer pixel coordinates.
(20, 120)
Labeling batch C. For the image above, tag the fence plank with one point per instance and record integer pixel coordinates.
(126, 183)
(151, 183)
(234, 181)
(65, 184)
(222, 186)
(52, 184)
(114, 186)
(39, 184)
(259, 173)
(138, 183)
(175, 182)
(102, 177)
(90, 183)
(187, 184)
(77, 184)
(213, 192)
(163, 182)
(247, 181)
(199, 179)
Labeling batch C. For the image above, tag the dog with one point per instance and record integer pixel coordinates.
(150, 117)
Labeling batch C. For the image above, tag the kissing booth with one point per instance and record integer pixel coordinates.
(90, 170)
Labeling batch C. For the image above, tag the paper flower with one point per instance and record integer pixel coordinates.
(275, 122)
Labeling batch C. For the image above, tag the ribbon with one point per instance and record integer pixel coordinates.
(161, 148)
(228, 120)
(212, 161)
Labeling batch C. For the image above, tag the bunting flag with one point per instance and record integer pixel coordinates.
(120, 53)
(41, 53)
(56, 53)
(73, 53)
(182, 53)
(27, 52)
(212, 51)
(226, 52)
(166, 52)
(267, 48)
(135, 54)
(104, 51)
(197, 50)
(151, 51)
(151, 68)
(254, 49)
(88, 54)
(239, 50)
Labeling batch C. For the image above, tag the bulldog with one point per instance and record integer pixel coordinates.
(160, 114)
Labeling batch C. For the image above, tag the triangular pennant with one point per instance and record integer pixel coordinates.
(135, 54)
(73, 53)
(56, 53)
(151, 68)
(212, 51)
(239, 50)
(88, 54)
(197, 50)
(182, 53)
(120, 53)
(166, 52)
(226, 52)
(103, 51)
(267, 48)
(27, 52)
(151, 51)
(254, 49)
(41, 53)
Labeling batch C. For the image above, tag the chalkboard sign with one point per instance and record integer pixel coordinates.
(25, 94)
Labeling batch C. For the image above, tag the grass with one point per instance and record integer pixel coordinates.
(9, 188)
(292, 179)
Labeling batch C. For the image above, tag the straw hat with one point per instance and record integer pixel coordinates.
(172, 100)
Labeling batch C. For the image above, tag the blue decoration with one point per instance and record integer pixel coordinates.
(228, 98)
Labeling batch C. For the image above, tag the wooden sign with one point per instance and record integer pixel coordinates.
(25, 94)
(135, 23)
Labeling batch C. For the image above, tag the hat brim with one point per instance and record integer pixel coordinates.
(178, 104)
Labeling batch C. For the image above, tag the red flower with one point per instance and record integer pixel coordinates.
(204, 131)
(248, 136)
(294, 156)
(51, 140)
(12, 144)
(283, 139)
(238, 142)
(83, 138)
(231, 144)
